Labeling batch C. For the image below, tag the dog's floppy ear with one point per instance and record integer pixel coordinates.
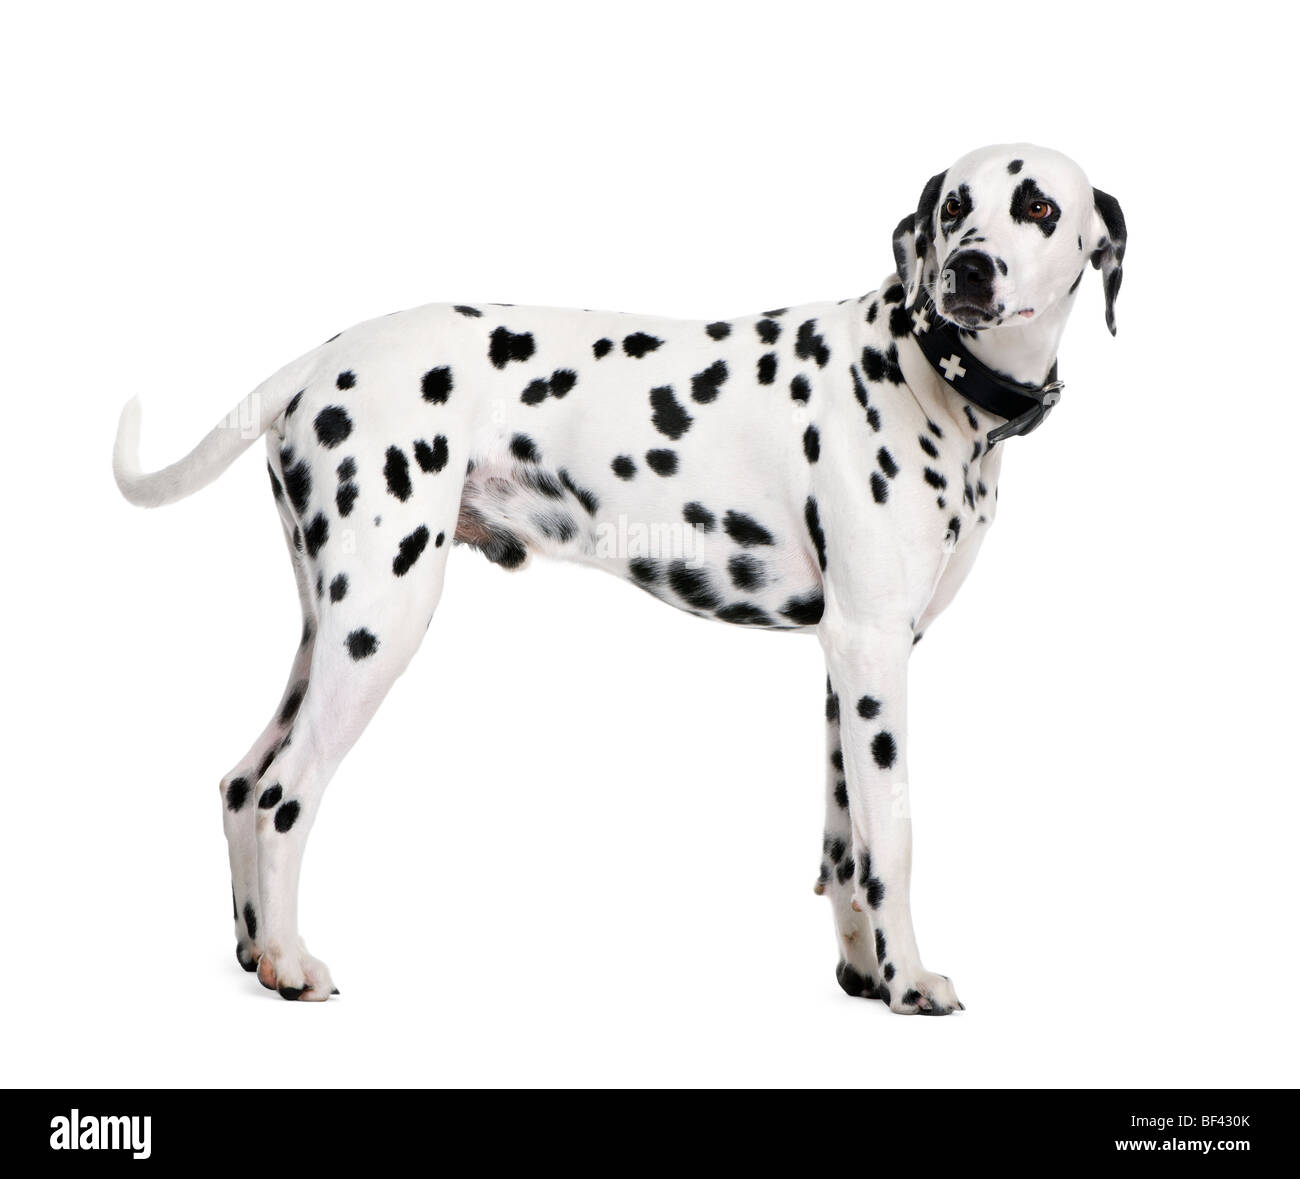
(1111, 237)
(914, 239)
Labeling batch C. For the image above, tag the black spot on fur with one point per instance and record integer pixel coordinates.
(879, 488)
(767, 368)
(644, 570)
(639, 343)
(276, 490)
(693, 586)
(886, 461)
(471, 312)
(503, 548)
(535, 392)
(589, 502)
(813, 519)
(669, 417)
(270, 796)
(928, 446)
(435, 385)
(361, 644)
(339, 587)
(345, 497)
(292, 407)
(397, 474)
(842, 795)
(250, 920)
(809, 345)
(542, 482)
(409, 550)
(800, 390)
(293, 702)
(601, 347)
(557, 385)
(662, 462)
(768, 330)
(880, 948)
(805, 610)
(318, 532)
(439, 540)
(332, 425)
(1013, 168)
(883, 749)
(746, 572)
(745, 530)
(718, 330)
(882, 366)
(895, 293)
(700, 516)
(433, 458)
(285, 818)
(900, 322)
(812, 444)
(705, 384)
(623, 466)
(868, 708)
(506, 346)
(744, 614)
(297, 480)
(934, 479)
(346, 380)
(524, 449)
(237, 793)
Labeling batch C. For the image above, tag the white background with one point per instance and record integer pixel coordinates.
(577, 845)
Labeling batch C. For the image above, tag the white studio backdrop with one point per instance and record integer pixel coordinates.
(577, 845)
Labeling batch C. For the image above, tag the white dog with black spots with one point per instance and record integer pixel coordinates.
(830, 475)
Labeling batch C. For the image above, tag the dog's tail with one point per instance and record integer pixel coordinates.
(233, 435)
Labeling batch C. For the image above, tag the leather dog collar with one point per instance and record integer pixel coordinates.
(1023, 406)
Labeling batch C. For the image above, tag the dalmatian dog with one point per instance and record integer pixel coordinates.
(829, 469)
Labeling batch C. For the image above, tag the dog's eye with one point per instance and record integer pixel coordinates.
(951, 207)
(1038, 210)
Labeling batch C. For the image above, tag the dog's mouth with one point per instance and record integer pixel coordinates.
(969, 313)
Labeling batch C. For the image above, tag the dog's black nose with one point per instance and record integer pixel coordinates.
(972, 275)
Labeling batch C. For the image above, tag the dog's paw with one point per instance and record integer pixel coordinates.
(296, 976)
(853, 982)
(247, 953)
(922, 994)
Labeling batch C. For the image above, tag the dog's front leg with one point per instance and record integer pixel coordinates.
(868, 673)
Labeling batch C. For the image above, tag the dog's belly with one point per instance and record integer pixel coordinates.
(724, 564)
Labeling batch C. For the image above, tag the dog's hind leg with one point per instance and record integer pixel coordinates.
(380, 588)
(857, 970)
(237, 787)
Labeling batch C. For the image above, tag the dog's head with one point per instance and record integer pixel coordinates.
(1005, 234)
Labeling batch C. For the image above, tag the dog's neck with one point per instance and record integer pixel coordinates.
(1026, 351)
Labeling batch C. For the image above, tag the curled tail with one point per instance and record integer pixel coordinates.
(233, 435)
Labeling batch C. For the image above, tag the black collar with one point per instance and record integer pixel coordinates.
(1023, 406)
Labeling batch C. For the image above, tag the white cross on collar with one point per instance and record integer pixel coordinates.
(920, 321)
(952, 368)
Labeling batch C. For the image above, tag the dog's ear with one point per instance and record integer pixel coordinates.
(1111, 237)
(914, 239)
